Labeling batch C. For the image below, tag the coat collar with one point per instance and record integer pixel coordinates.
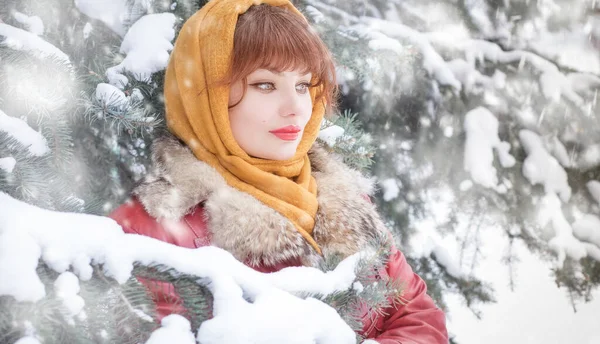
(346, 220)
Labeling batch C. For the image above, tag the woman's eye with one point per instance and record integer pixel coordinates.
(265, 86)
(303, 87)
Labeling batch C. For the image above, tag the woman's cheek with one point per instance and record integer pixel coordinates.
(308, 109)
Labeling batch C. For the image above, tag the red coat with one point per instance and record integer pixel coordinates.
(416, 321)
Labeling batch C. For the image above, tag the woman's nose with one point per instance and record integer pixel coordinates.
(291, 103)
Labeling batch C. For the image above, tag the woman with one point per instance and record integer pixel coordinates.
(246, 89)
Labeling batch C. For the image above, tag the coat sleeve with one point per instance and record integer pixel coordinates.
(130, 217)
(417, 320)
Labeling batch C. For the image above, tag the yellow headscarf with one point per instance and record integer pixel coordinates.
(197, 112)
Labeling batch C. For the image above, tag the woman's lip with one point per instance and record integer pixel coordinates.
(290, 129)
(287, 136)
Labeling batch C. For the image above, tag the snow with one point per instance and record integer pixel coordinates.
(358, 287)
(526, 117)
(33, 24)
(593, 251)
(589, 157)
(481, 127)
(111, 95)
(541, 168)
(7, 164)
(593, 187)
(444, 258)
(469, 77)
(27, 340)
(553, 84)
(147, 45)
(143, 315)
(19, 130)
(67, 288)
(406, 145)
(568, 48)
(427, 241)
(558, 150)
(276, 317)
(330, 134)
(19, 39)
(112, 13)
(174, 329)
(448, 131)
(390, 189)
(257, 305)
(18, 275)
(583, 82)
(465, 185)
(478, 14)
(563, 243)
(302, 279)
(432, 60)
(380, 41)
(87, 29)
(588, 228)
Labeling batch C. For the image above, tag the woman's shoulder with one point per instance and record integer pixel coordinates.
(188, 231)
(135, 219)
(132, 216)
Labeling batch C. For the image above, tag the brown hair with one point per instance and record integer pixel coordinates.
(274, 38)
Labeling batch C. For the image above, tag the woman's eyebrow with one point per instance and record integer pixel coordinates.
(275, 72)
(279, 73)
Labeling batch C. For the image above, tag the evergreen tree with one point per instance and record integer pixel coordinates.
(441, 88)
(415, 72)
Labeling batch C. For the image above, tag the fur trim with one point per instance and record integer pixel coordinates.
(253, 232)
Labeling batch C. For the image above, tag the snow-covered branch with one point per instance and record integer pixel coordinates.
(432, 60)
(387, 35)
(19, 39)
(257, 303)
(35, 142)
(147, 45)
(553, 83)
(481, 127)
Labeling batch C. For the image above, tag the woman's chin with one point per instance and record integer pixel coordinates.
(282, 155)
(284, 152)
(273, 150)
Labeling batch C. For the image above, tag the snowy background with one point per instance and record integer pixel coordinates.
(483, 117)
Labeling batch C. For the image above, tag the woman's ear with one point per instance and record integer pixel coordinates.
(236, 91)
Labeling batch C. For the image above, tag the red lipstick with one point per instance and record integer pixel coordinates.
(289, 133)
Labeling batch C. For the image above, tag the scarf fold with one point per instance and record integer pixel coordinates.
(196, 104)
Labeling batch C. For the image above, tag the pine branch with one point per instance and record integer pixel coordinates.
(354, 146)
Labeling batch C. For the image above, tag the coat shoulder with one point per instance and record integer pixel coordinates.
(415, 318)
(130, 214)
(135, 219)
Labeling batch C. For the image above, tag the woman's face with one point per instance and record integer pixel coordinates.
(269, 121)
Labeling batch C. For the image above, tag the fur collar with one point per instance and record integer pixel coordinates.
(346, 221)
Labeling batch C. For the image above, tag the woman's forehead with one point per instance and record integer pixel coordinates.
(287, 72)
